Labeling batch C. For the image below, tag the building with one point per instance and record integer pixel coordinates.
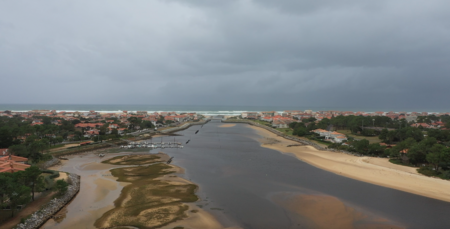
(113, 126)
(331, 135)
(141, 112)
(89, 125)
(268, 113)
(340, 139)
(411, 118)
(3, 152)
(281, 123)
(249, 115)
(11, 164)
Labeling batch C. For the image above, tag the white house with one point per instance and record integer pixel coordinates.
(279, 124)
(340, 139)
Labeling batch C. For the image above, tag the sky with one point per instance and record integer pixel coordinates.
(349, 53)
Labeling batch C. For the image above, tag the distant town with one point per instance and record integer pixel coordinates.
(91, 124)
(33, 141)
(87, 125)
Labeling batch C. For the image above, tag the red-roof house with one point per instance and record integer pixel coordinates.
(10, 164)
(3, 152)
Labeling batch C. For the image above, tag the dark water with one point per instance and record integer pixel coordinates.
(237, 176)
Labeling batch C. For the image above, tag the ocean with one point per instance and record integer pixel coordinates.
(210, 110)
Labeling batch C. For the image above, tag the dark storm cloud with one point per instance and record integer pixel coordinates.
(348, 53)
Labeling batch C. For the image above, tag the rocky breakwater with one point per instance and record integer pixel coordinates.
(54, 161)
(38, 218)
(184, 126)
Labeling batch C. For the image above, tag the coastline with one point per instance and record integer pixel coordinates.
(376, 171)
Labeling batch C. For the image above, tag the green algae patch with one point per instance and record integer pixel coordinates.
(152, 199)
(135, 159)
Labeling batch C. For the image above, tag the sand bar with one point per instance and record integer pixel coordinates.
(321, 211)
(227, 125)
(377, 171)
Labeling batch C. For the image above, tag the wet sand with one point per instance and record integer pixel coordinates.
(150, 209)
(99, 190)
(322, 211)
(377, 171)
(197, 219)
(227, 125)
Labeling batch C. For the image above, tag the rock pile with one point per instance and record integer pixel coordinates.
(51, 163)
(38, 218)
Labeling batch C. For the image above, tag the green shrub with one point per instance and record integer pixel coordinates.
(428, 171)
(61, 186)
(55, 174)
(446, 175)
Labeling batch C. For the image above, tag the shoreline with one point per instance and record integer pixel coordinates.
(175, 208)
(378, 171)
(102, 184)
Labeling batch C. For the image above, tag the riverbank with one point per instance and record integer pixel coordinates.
(378, 171)
(101, 190)
(47, 211)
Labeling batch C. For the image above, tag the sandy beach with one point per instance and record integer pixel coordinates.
(377, 171)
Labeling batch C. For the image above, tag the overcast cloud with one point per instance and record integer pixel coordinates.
(236, 52)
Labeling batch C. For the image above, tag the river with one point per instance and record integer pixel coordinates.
(246, 185)
(240, 178)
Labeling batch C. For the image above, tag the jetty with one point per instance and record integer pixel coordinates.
(152, 145)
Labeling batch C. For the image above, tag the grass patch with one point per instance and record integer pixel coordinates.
(287, 131)
(396, 161)
(147, 202)
(322, 143)
(428, 171)
(57, 146)
(79, 149)
(261, 122)
(133, 160)
(371, 139)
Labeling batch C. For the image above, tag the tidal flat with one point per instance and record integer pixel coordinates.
(152, 198)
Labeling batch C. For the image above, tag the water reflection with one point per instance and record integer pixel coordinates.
(239, 176)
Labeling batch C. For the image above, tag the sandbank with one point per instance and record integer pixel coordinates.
(227, 125)
(378, 171)
(321, 211)
(158, 199)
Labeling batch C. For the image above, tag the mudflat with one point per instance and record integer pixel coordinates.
(154, 197)
(104, 194)
(321, 211)
(227, 125)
